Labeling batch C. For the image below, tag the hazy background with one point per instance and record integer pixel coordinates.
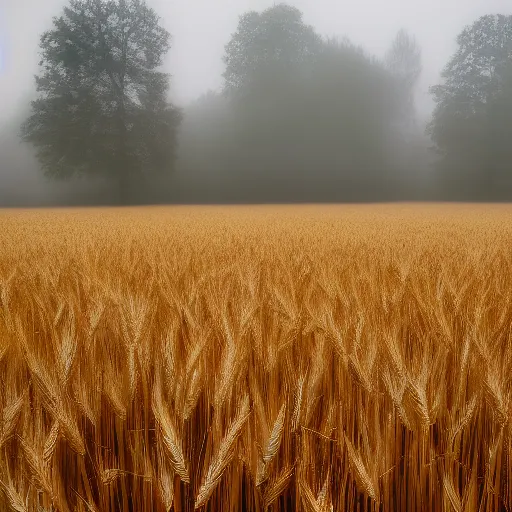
(200, 29)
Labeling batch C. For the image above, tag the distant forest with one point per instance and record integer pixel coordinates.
(300, 117)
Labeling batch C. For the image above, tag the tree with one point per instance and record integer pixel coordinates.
(472, 120)
(408, 143)
(267, 44)
(305, 119)
(102, 107)
(403, 60)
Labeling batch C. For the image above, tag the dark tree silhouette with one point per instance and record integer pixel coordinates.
(472, 121)
(102, 107)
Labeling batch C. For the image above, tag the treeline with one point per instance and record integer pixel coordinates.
(300, 118)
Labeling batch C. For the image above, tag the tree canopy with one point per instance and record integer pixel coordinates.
(102, 102)
(265, 44)
(303, 118)
(472, 120)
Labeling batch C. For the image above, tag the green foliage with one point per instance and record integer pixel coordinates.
(472, 120)
(102, 106)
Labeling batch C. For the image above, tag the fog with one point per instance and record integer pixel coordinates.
(354, 143)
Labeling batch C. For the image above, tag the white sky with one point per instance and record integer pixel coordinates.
(201, 28)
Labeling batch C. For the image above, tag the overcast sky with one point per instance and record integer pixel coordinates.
(201, 28)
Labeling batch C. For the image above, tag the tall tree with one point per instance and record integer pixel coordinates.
(472, 121)
(403, 60)
(265, 45)
(307, 117)
(102, 105)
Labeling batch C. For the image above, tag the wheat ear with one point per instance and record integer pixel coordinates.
(10, 418)
(273, 444)
(277, 487)
(170, 436)
(224, 454)
(297, 408)
(362, 476)
(452, 494)
(15, 500)
(109, 476)
(51, 443)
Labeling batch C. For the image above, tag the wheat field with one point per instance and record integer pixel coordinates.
(269, 358)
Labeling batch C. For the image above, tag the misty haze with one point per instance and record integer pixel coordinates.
(265, 102)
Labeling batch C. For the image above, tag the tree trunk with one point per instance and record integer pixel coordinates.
(124, 164)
